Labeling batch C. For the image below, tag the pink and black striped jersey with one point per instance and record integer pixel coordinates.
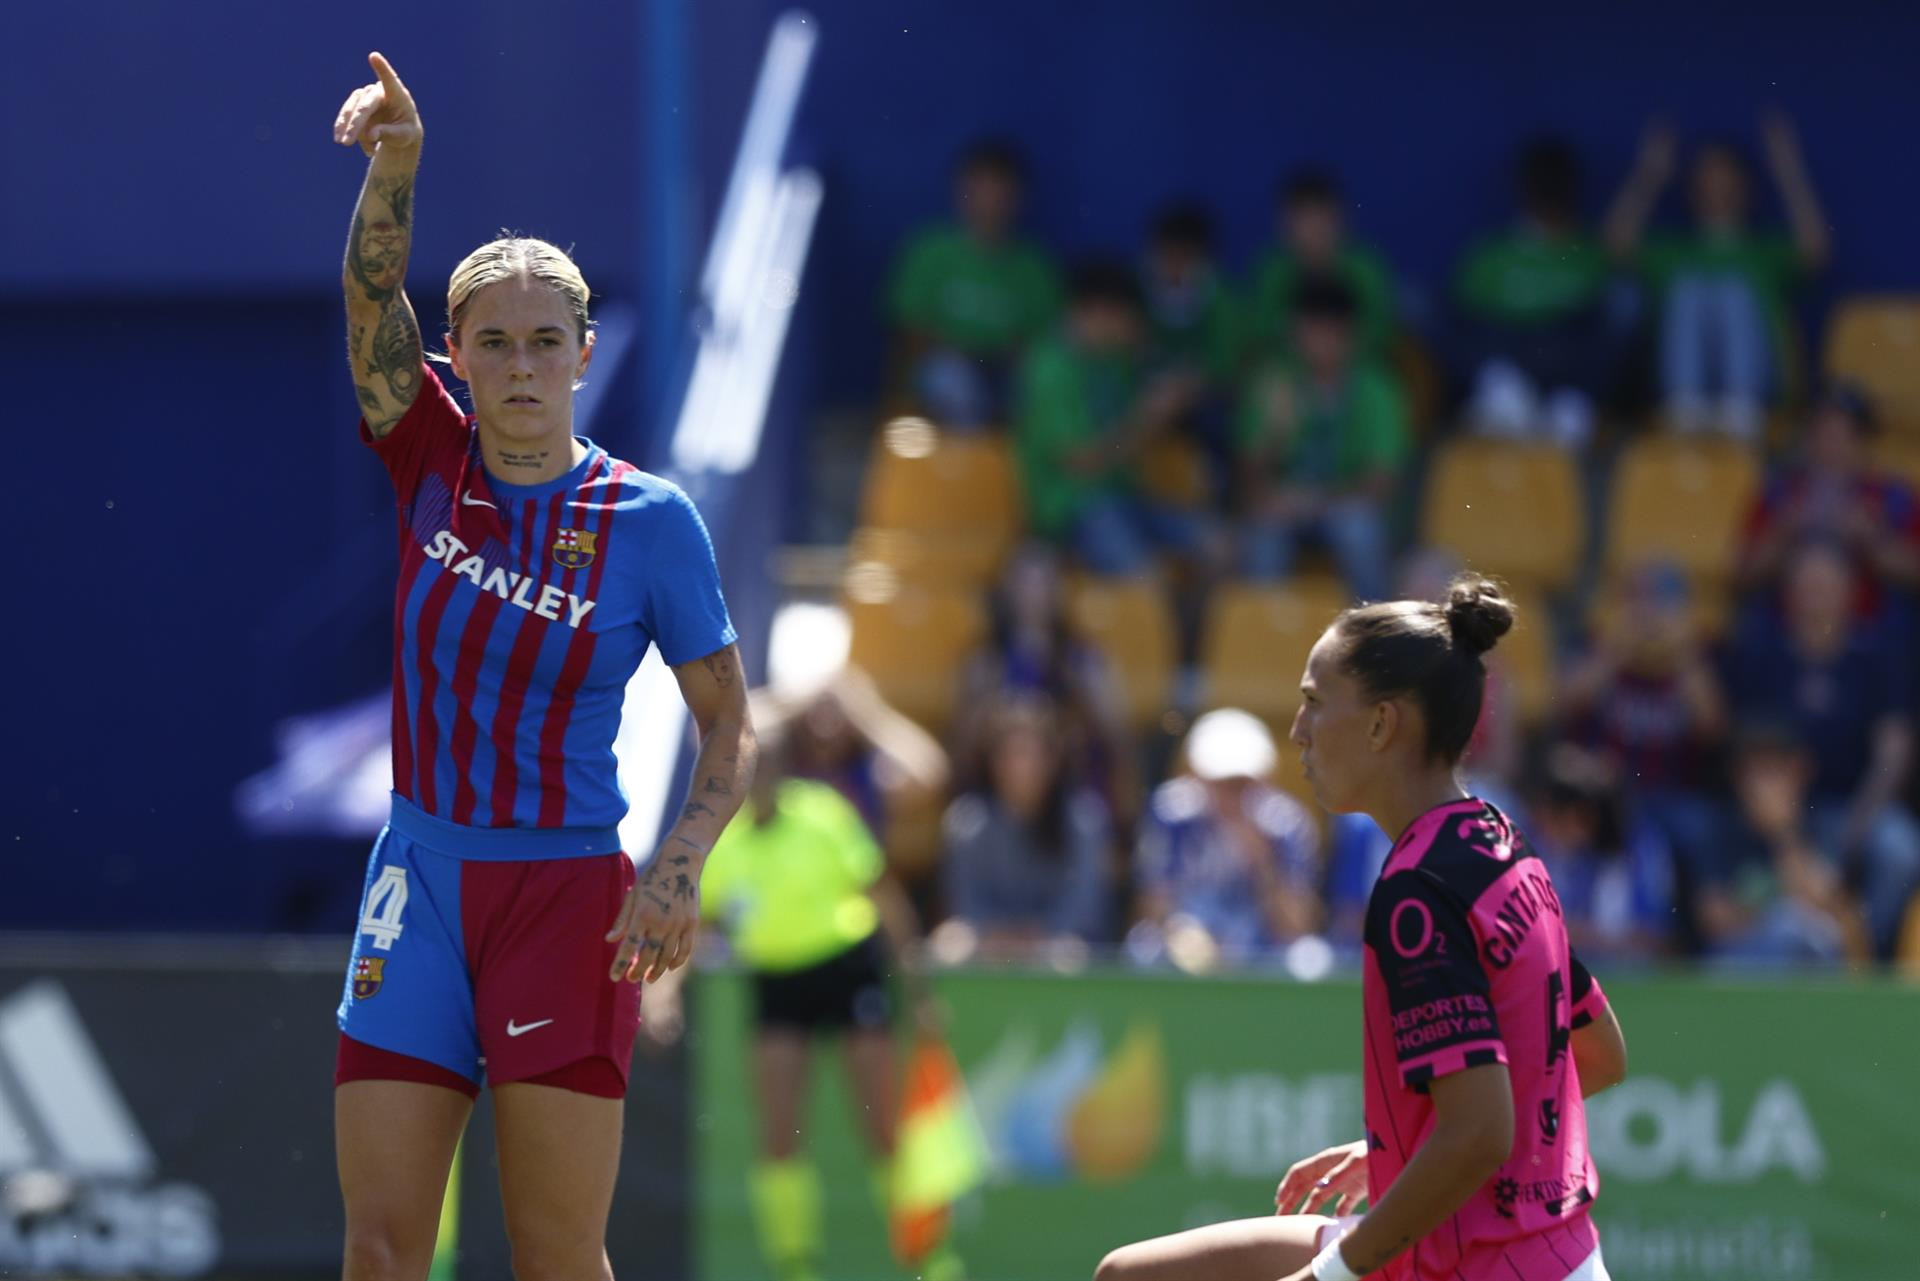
(1467, 962)
(520, 614)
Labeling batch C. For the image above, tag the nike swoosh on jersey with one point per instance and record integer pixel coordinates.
(468, 500)
(521, 1029)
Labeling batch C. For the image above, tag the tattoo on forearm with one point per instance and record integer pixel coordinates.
(717, 786)
(531, 461)
(720, 667)
(692, 845)
(695, 809)
(387, 368)
(377, 248)
(396, 351)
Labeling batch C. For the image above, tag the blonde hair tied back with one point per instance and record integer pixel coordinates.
(512, 257)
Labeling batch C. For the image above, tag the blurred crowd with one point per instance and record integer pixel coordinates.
(1722, 780)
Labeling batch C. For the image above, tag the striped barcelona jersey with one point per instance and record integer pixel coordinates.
(1467, 963)
(521, 613)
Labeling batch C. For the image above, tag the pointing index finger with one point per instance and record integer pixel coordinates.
(389, 78)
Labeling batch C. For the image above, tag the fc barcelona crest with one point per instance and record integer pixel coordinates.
(368, 972)
(573, 548)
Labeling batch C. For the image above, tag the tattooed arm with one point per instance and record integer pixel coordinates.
(383, 338)
(664, 905)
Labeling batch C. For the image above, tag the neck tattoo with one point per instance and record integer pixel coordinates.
(528, 461)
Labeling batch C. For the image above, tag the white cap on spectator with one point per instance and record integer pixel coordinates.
(1230, 743)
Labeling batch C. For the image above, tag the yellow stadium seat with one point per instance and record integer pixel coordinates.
(1420, 378)
(1899, 457)
(913, 837)
(1509, 509)
(913, 640)
(1682, 500)
(1129, 622)
(1255, 644)
(1175, 471)
(956, 491)
(1875, 341)
(928, 560)
(1909, 949)
(1525, 659)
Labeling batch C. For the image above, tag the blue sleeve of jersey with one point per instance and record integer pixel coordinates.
(685, 613)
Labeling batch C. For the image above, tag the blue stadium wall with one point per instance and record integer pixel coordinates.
(204, 549)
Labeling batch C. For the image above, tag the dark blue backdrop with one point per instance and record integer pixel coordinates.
(209, 551)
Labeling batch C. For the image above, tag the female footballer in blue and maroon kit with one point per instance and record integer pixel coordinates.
(1483, 1032)
(535, 573)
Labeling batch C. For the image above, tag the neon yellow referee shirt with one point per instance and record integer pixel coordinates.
(793, 891)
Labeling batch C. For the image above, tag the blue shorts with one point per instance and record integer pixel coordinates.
(495, 969)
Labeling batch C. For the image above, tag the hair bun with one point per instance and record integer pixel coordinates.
(1478, 613)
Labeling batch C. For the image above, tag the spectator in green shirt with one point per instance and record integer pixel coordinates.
(1534, 335)
(1191, 308)
(966, 297)
(1323, 439)
(1723, 286)
(1084, 411)
(1313, 238)
(1195, 322)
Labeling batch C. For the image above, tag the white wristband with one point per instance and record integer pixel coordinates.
(1331, 1265)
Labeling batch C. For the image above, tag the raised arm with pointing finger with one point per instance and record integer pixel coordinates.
(383, 338)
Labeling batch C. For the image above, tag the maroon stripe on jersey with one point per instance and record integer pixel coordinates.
(513, 684)
(426, 739)
(466, 680)
(553, 761)
(411, 559)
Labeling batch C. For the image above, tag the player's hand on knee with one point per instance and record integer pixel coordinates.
(380, 112)
(1323, 1176)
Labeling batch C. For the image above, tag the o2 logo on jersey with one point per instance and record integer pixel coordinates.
(573, 548)
(380, 918)
(1412, 938)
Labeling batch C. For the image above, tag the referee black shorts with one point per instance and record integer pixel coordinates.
(844, 992)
